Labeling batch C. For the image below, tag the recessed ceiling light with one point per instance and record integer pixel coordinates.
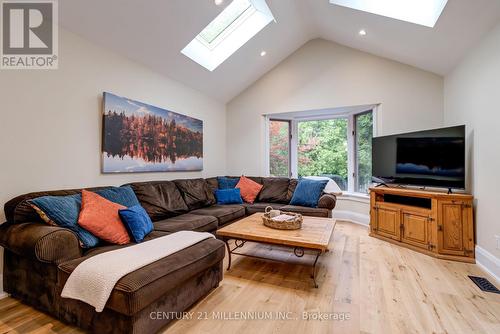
(362, 32)
(263, 53)
(423, 12)
(219, 2)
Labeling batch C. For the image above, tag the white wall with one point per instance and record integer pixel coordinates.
(323, 74)
(50, 121)
(471, 97)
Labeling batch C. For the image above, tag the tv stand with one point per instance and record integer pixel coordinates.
(450, 191)
(434, 223)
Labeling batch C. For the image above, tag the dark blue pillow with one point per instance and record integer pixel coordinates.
(228, 196)
(121, 195)
(136, 221)
(308, 192)
(227, 182)
(64, 211)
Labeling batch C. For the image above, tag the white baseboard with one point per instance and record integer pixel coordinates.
(352, 217)
(488, 262)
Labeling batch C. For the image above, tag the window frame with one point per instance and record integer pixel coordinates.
(290, 173)
(352, 178)
(240, 19)
(355, 170)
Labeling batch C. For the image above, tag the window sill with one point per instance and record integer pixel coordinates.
(353, 196)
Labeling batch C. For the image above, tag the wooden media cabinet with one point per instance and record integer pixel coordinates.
(434, 223)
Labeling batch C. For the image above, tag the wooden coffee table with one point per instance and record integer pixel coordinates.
(314, 236)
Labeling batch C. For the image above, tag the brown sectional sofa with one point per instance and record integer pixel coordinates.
(39, 258)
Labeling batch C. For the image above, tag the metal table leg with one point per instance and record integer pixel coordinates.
(313, 275)
(226, 241)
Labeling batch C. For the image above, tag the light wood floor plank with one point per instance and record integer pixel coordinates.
(382, 287)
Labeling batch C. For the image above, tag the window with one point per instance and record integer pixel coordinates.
(423, 12)
(336, 145)
(230, 30)
(363, 150)
(226, 21)
(279, 148)
(322, 149)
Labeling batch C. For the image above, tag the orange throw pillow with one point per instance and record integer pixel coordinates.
(249, 189)
(100, 217)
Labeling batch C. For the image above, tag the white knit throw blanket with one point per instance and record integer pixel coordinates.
(93, 280)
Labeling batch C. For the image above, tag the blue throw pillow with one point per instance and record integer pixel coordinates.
(137, 222)
(308, 192)
(228, 196)
(121, 195)
(64, 211)
(227, 182)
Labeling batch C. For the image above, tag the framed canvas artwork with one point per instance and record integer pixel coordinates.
(138, 137)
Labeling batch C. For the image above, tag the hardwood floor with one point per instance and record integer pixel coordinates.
(381, 287)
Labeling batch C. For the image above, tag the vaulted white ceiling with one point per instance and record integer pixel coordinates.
(153, 32)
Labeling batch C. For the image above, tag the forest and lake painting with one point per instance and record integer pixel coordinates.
(138, 137)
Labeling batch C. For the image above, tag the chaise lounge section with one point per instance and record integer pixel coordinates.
(39, 258)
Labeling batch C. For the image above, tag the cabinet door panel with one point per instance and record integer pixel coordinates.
(415, 229)
(388, 222)
(451, 225)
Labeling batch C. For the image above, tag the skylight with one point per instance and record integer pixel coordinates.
(231, 29)
(229, 17)
(423, 12)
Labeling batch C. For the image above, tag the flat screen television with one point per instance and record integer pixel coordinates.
(432, 158)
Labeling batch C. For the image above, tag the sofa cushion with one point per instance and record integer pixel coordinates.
(331, 187)
(64, 211)
(212, 183)
(196, 193)
(249, 189)
(226, 182)
(274, 190)
(187, 222)
(308, 192)
(108, 247)
(137, 222)
(257, 179)
(261, 207)
(122, 195)
(100, 217)
(135, 291)
(291, 189)
(160, 199)
(228, 196)
(156, 234)
(223, 213)
(307, 211)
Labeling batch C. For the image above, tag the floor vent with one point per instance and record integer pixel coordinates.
(484, 284)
